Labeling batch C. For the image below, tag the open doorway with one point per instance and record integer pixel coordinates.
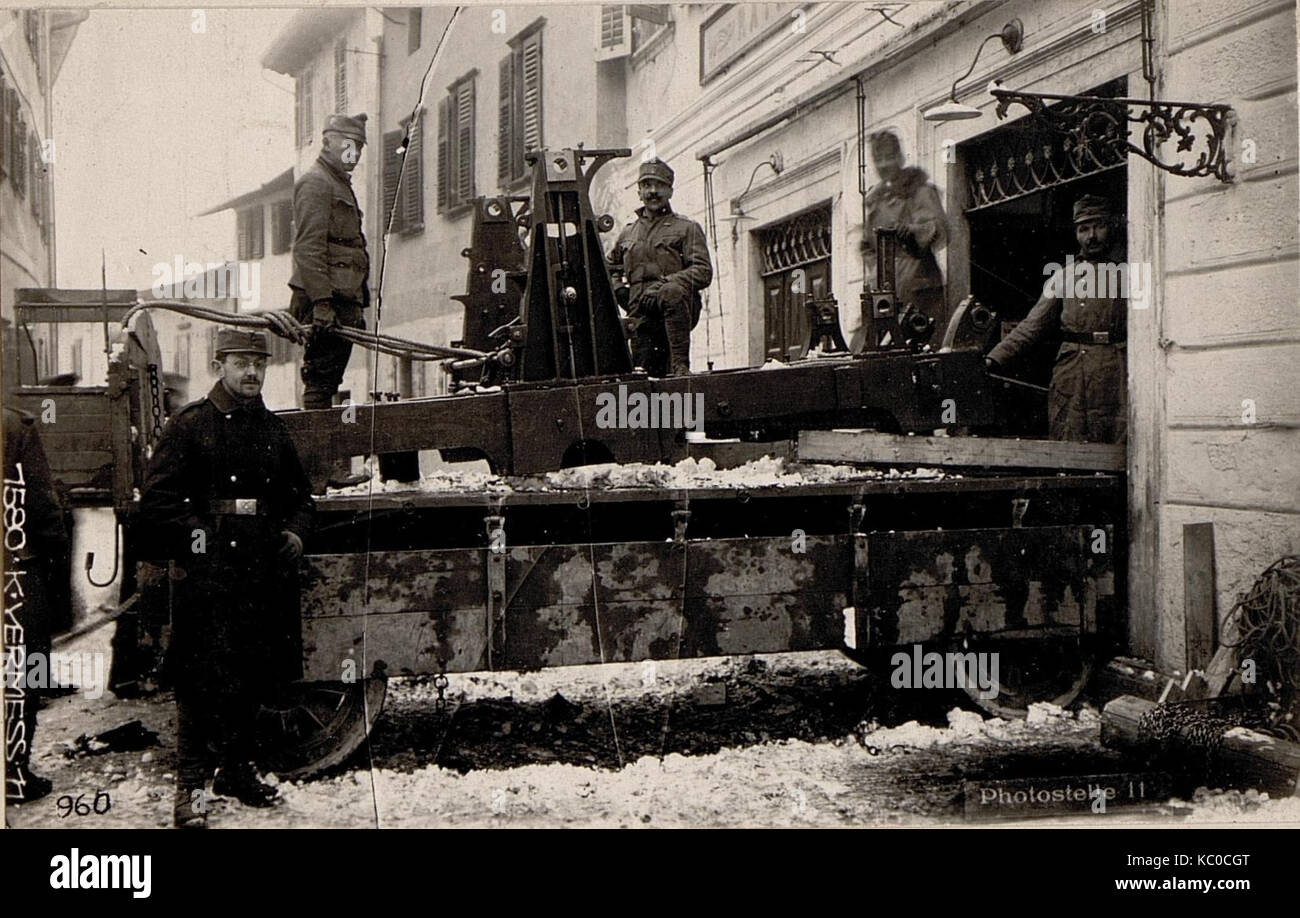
(1022, 180)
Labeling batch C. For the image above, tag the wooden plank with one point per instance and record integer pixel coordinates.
(872, 448)
(79, 460)
(1257, 760)
(1199, 618)
(56, 438)
(66, 422)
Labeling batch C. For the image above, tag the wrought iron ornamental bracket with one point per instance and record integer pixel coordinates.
(1090, 123)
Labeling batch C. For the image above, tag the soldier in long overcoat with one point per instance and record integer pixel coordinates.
(227, 501)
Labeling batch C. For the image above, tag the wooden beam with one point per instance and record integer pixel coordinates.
(1199, 620)
(867, 447)
(1256, 759)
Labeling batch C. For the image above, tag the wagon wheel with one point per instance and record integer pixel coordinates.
(313, 726)
(1054, 670)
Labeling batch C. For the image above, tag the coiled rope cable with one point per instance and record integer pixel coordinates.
(383, 344)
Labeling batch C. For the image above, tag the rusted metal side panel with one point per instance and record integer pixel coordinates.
(573, 604)
(932, 585)
(576, 604)
(416, 611)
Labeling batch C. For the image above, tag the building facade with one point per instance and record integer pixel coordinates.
(33, 45)
(758, 109)
(334, 58)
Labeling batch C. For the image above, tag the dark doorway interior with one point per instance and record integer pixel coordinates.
(1023, 180)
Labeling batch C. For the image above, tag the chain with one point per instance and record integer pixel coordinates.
(155, 401)
(440, 682)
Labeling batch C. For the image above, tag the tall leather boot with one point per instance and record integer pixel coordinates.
(322, 473)
(677, 328)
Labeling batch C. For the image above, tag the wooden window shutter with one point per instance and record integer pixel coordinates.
(531, 65)
(297, 112)
(34, 145)
(256, 232)
(281, 227)
(241, 232)
(465, 142)
(392, 175)
(19, 175)
(413, 178)
(613, 33)
(444, 169)
(341, 76)
(4, 128)
(506, 168)
(308, 78)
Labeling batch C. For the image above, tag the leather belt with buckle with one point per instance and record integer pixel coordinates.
(242, 506)
(1095, 337)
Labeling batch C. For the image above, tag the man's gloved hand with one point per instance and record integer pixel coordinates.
(291, 550)
(322, 314)
(285, 325)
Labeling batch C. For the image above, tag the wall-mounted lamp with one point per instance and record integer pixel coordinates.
(1013, 39)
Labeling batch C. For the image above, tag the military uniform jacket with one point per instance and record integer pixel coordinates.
(911, 204)
(234, 609)
(1087, 399)
(329, 248)
(669, 248)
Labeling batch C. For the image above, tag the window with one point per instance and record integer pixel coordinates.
(456, 144)
(37, 175)
(519, 104)
(6, 148)
(404, 178)
(414, 24)
(251, 232)
(281, 227)
(341, 75)
(795, 269)
(613, 33)
(18, 173)
(302, 105)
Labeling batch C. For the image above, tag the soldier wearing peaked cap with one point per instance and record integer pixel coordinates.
(1088, 397)
(331, 270)
(226, 501)
(665, 259)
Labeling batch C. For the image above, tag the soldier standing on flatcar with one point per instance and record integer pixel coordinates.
(331, 272)
(1088, 397)
(665, 259)
(226, 499)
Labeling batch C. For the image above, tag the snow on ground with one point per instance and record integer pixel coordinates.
(787, 754)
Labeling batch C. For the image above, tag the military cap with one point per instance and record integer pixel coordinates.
(1092, 207)
(348, 125)
(238, 341)
(656, 169)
